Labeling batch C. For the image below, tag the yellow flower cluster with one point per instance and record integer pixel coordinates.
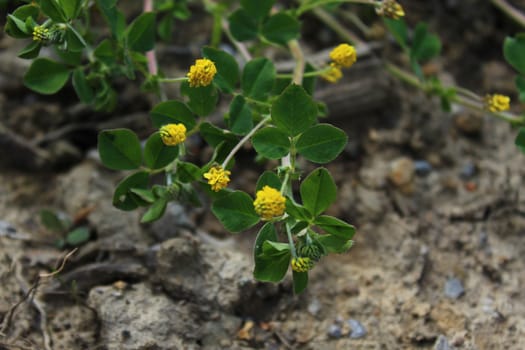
(218, 178)
(172, 134)
(343, 55)
(333, 74)
(201, 73)
(390, 9)
(40, 34)
(269, 203)
(302, 264)
(497, 103)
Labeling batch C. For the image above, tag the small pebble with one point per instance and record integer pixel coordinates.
(358, 330)
(335, 331)
(314, 307)
(468, 171)
(401, 171)
(454, 288)
(442, 343)
(422, 167)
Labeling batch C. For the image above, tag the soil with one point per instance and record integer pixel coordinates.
(438, 256)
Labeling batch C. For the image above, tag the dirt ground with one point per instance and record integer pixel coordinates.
(436, 199)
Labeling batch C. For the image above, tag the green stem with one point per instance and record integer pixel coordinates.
(333, 24)
(243, 140)
(290, 241)
(172, 80)
(475, 105)
(315, 4)
(305, 75)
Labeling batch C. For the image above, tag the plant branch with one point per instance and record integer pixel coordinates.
(243, 140)
(510, 11)
(474, 104)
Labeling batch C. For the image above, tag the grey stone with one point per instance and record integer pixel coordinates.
(442, 343)
(335, 331)
(358, 330)
(454, 288)
(422, 167)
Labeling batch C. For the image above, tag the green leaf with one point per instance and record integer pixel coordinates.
(203, 100)
(300, 281)
(235, 211)
(271, 143)
(243, 26)
(124, 198)
(119, 149)
(75, 41)
(271, 265)
(281, 28)
(105, 52)
(30, 51)
(115, 18)
(520, 140)
(17, 28)
(240, 117)
(318, 191)
(520, 85)
(227, 75)
(398, 29)
(268, 178)
(257, 9)
(514, 52)
(309, 82)
(71, 7)
(46, 76)
(321, 143)
(297, 211)
(172, 112)
(214, 135)
(156, 154)
(334, 244)
(146, 195)
(53, 10)
(294, 111)
(82, 88)
(25, 11)
(335, 227)
(266, 233)
(424, 45)
(51, 221)
(188, 172)
(257, 78)
(156, 211)
(78, 236)
(141, 32)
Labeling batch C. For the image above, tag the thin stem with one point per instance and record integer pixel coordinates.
(172, 80)
(510, 11)
(461, 100)
(314, 5)
(290, 241)
(340, 30)
(305, 75)
(285, 181)
(297, 53)
(243, 140)
(239, 46)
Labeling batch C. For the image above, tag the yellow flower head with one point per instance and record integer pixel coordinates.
(172, 134)
(302, 264)
(390, 9)
(217, 177)
(40, 34)
(343, 55)
(201, 73)
(333, 74)
(497, 103)
(269, 203)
